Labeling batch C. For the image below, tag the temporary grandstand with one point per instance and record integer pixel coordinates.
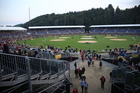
(127, 29)
(12, 33)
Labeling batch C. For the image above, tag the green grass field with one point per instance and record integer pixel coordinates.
(101, 43)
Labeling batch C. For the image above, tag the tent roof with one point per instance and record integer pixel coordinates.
(42, 27)
(120, 25)
(12, 28)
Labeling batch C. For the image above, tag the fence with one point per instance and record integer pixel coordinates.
(132, 81)
(50, 56)
(15, 70)
(117, 88)
(45, 55)
(127, 76)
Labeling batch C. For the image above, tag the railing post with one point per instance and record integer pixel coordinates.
(41, 67)
(29, 74)
(16, 67)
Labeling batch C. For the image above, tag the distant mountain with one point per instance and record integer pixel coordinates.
(98, 16)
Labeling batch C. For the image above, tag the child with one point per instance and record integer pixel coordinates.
(92, 62)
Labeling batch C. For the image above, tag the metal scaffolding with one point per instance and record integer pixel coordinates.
(127, 76)
(34, 74)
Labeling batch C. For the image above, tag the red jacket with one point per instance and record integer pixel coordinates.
(75, 91)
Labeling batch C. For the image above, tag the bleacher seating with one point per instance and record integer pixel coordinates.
(114, 30)
(56, 31)
(68, 31)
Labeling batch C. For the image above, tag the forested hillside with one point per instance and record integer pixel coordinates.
(98, 16)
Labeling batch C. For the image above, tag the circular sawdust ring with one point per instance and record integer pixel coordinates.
(86, 41)
(86, 38)
(110, 37)
(57, 40)
(119, 39)
(31, 39)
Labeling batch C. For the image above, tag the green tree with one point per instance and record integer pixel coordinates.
(98, 16)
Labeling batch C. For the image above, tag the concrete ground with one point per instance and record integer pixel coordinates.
(93, 75)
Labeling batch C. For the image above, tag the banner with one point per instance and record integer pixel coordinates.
(135, 55)
(58, 56)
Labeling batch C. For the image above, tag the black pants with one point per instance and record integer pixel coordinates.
(82, 87)
(102, 85)
(76, 75)
(86, 89)
(80, 75)
(88, 64)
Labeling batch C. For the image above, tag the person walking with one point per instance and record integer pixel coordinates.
(92, 62)
(82, 83)
(80, 72)
(99, 56)
(83, 69)
(86, 87)
(102, 79)
(111, 76)
(100, 64)
(75, 65)
(76, 73)
(82, 57)
(89, 61)
(83, 77)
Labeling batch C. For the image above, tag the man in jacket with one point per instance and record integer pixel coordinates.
(102, 79)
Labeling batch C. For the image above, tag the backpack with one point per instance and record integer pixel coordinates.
(103, 80)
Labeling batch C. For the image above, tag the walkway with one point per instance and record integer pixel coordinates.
(93, 75)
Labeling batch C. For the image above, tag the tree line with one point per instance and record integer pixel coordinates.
(98, 16)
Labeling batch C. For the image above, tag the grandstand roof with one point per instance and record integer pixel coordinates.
(12, 28)
(41, 27)
(120, 25)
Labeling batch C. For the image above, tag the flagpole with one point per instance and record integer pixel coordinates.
(29, 13)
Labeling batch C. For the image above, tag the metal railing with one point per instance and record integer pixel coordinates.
(15, 69)
(128, 76)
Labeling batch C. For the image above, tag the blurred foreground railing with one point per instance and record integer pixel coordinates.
(15, 70)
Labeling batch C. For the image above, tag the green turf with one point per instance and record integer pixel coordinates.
(101, 43)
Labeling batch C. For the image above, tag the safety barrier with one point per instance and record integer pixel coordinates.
(117, 88)
(15, 70)
(12, 66)
(132, 81)
(44, 55)
(65, 55)
(128, 76)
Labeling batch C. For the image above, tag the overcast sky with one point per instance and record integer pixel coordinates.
(14, 12)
